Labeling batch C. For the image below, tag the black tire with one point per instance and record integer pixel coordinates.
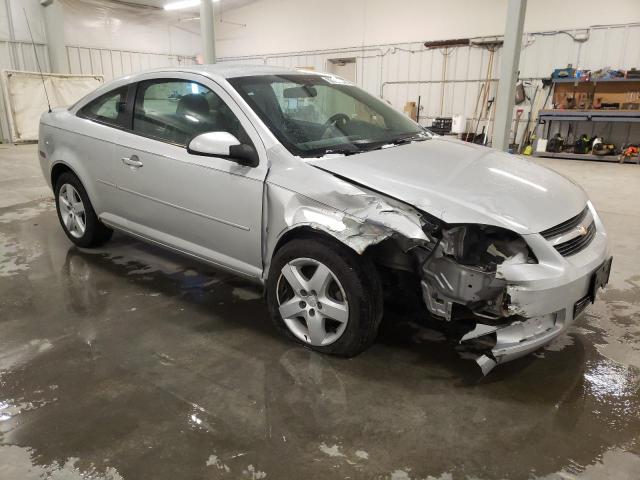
(359, 280)
(96, 233)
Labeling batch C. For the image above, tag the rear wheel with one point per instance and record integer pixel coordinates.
(75, 212)
(326, 297)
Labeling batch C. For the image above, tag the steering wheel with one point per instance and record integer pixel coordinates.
(339, 120)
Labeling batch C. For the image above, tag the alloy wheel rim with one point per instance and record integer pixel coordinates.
(312, 302)
(72, 211)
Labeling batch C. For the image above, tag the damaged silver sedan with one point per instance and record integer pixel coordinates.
(338, 204)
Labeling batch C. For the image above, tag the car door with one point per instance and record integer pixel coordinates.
(99, 123)
(209, 207)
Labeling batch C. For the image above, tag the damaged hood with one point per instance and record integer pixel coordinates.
(460, 182)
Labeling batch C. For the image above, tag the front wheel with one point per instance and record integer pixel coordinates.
(323, 295)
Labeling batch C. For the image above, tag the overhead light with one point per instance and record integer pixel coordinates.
(183, 4)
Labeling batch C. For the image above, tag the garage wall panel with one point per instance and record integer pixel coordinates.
(121, 25)
(403, 72)
(594, 52)
(116, 63)
(631, 51)
(18, 55)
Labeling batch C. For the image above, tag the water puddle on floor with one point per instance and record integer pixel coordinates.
(128, 362)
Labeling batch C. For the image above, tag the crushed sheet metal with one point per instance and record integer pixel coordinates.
(531, 332)
(478, 331)
(348, 212)
(486, 363)
(445, 282)
(367, 221)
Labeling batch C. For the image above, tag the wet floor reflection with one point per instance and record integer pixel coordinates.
(128, 362)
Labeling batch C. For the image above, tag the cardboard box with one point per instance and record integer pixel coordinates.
(411, 110)
(590, 95)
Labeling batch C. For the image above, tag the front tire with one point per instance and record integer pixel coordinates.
(324, 296)
(75, 212)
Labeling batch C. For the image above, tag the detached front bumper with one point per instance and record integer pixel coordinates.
(545, 298)
(521, 338)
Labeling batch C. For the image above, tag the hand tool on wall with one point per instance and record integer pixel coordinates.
(476, 113)
(527, 133)
(485, 105)
(514, 145)
(491, 110)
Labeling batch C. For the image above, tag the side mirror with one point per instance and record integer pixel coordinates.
(223, 144)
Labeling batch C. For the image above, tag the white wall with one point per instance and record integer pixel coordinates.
(276, 26)
(101, 40)
(104, 25)
(112, 41)
(16, 49)
(386, 38)
(91, 23)
(18, 20)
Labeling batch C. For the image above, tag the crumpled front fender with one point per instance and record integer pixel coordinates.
(367, 219)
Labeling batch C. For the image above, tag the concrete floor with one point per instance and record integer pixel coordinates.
(132, 363)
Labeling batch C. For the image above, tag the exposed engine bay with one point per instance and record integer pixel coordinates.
(461, 284)
(463, 270)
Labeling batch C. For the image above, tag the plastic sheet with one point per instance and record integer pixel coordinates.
(25, 96)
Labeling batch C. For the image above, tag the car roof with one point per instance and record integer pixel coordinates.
(233, 70)
(217, 72)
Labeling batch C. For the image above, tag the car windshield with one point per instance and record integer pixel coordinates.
(314, 115)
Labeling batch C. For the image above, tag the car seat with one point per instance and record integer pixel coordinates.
(194, 116)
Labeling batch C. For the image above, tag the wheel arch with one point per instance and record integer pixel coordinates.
(368, 221)
(305, 232)
(60, 167)
(297, 232)
(390, 247)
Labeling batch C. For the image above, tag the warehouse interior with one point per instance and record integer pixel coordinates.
(132, 362)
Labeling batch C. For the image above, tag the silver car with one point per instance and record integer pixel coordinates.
(335, 202)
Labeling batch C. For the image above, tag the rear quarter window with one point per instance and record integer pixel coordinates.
(109, 108)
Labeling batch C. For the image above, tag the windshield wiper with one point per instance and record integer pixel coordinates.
(417, 137)
(341, 150)
(369, 146)
(359, 146)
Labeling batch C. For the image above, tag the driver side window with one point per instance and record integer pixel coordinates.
(175, 111)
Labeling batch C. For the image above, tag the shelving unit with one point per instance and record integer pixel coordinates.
(578, 156)
(582, 81)
(569, 86)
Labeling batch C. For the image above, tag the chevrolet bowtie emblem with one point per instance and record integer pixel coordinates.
(582, 230)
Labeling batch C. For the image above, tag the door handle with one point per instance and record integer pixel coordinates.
(132, 161)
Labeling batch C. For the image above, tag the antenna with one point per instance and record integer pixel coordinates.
(35, 51)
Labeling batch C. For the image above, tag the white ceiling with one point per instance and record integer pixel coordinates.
(220, 6)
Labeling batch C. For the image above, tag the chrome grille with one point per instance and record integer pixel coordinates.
(573, 235)
(566, 226)
(576, 244)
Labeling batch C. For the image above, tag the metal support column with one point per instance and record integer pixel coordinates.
(509, 62)
(207, 31)
(53, 16)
